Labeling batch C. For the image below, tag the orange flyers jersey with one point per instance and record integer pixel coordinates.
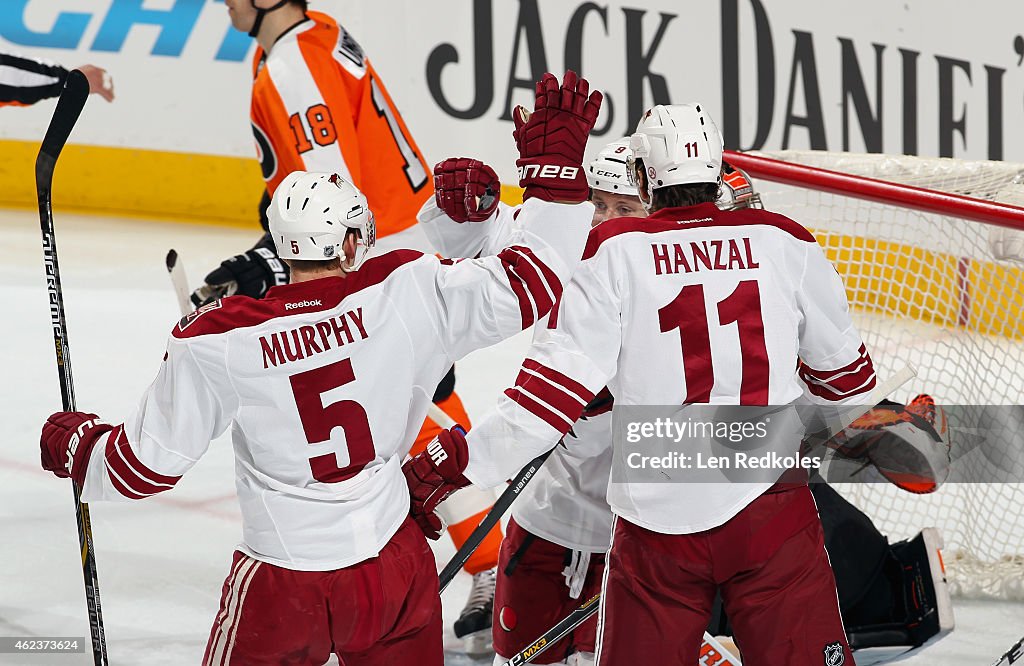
(318, 105)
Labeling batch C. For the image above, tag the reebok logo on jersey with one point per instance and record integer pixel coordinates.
(437, 453)
(548, 171)
(303, 304)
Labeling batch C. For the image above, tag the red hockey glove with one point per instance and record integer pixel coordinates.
(434, 475)
(66, 442)
(551, 140)
(467, 190)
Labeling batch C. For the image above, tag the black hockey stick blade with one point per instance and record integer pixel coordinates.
(491, 519)
(176, 271)
(69, 108)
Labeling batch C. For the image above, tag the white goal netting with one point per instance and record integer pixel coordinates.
(943, 293)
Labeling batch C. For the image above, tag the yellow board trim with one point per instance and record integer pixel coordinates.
(511, 195)
(904, 281)
(138, 183)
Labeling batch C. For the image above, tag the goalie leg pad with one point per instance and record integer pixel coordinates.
(924, 610)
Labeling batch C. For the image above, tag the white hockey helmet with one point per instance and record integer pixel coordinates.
(311, 213)
(679, 144)
(737, 190)
(607, 171)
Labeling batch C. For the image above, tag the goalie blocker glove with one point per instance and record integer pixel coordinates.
(467, 190)
(67, 441)
(908, 444)
(249, 274)
(551, 140)
(435, 474)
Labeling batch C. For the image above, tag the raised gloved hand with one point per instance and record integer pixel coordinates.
(67, 441)
(551, 140)
(434, 475)
(467, 190)
(248, 274)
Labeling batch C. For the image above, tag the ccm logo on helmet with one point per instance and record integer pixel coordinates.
(548, 171)
(302, 304)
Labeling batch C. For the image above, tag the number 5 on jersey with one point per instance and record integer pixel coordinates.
(320, 420)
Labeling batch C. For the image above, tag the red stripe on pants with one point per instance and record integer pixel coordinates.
(383, 611)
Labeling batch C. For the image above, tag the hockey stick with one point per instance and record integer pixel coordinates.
(1013, 655)
(491, 519)
(440, 417)
(177, 272)
(590, 606)
(69, 107)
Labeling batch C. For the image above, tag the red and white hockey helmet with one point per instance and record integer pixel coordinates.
(737, 190)
(679, 144)
(311, 213)
(607, 171)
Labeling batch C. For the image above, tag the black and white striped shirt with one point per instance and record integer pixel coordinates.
(27, 80)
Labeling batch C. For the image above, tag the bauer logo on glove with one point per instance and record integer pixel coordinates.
(548, 171)
(551, 139)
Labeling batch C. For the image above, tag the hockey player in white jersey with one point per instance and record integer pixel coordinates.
(308, 377)
(552, 556)
(652, 314)
(559, 531)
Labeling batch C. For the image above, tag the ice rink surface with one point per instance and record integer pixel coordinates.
(161, 562)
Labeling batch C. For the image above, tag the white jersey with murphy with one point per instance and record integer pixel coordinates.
(325, 383)
(690, 305)
(565, 502)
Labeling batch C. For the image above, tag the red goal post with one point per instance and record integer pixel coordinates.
(881, 191)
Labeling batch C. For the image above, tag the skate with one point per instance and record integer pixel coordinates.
(474, 623)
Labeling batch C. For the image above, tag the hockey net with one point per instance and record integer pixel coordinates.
(932, 282)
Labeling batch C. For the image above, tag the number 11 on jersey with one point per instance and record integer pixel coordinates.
(687, 312)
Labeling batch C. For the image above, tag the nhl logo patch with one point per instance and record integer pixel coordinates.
(191, 318)
(834, 655)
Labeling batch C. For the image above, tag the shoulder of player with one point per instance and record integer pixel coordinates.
(235, 312)
(753, 216)
(320, 45)
(663, 221)
(618, 227)
(317, 35)
(222, 316)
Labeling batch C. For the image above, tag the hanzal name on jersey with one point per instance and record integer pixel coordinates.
(298, 343)
(711, 255)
